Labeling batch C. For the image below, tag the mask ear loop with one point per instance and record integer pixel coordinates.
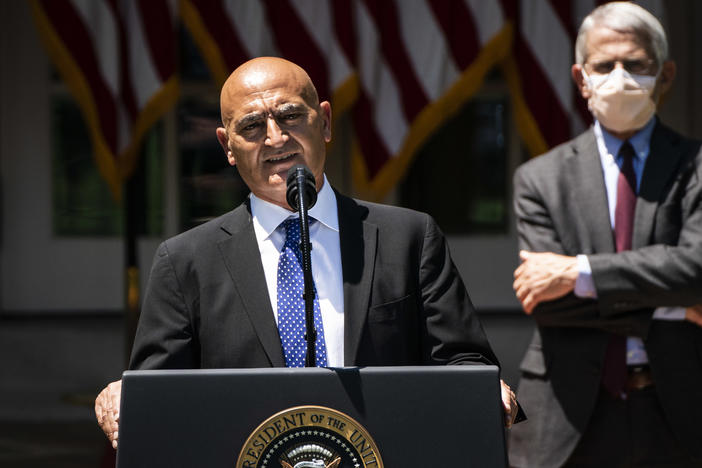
(591, 85)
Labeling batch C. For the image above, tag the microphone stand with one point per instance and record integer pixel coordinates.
(306, 248)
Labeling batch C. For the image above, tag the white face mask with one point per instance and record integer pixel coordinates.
(621, 102)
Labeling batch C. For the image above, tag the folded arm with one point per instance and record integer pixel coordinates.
(628, 284)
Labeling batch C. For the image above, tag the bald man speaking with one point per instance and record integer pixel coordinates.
(388, 293)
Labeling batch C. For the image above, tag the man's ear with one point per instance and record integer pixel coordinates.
(668, 72)
(326, 114)
(576, 72)
(224, 142)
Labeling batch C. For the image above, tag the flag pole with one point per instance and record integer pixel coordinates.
(132, 188)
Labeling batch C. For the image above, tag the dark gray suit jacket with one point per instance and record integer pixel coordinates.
(561, 206)
(206, 304)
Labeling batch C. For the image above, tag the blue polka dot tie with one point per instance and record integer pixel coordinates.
(291, 304)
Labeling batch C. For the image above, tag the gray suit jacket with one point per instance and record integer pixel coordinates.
(206, 304)
(561, 206)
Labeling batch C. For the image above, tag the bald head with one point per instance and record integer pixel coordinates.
(273, 120)
(261, 74)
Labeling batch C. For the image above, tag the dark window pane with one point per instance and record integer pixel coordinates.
(209, 185)
(460, 175)
(147, 184)
(192, 66)
(82, 202)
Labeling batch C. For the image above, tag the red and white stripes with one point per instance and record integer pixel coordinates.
(401, 67)
(118, 57)
(391, 63)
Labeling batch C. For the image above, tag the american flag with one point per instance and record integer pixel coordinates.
(402, 68)
(118, 58)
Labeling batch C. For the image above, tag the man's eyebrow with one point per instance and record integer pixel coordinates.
(258, 116)
(291, 106)
(249, 119)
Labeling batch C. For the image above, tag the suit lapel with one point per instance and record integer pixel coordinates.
(358, 240)
(243, 260)
(589, 192)
(663, 158)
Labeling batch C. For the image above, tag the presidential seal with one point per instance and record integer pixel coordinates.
(309, 437)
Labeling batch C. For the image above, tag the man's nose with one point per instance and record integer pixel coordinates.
(274, 135)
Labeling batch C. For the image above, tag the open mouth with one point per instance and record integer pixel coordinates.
(282, 158)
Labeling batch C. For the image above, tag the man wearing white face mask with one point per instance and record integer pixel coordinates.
(610, 227)
(620, 101)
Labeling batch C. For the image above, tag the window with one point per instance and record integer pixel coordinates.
(460, 176)
(82, 202)
(209, 186)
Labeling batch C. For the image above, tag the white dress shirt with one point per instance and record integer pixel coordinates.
(608, 147)
(325, 257)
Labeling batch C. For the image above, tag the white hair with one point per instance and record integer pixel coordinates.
(625, 17)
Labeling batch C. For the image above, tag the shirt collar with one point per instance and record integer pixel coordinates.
(641, 140)
(267, 216)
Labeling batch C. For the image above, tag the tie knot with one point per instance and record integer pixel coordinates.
(626, 165)
(292, 232)
(626, 152)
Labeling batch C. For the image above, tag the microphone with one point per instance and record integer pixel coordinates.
(301, 195)
(300, 181)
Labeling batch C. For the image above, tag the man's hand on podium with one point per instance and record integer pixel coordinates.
(107, 410)
(509, 403)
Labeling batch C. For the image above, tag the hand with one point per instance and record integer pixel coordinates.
(694, 314)
(543, 277)
(509, 403)
(107, 410)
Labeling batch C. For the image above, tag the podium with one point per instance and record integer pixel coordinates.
(434, 416)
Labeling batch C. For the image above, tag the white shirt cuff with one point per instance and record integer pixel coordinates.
(585, 288)
(669, 313)
(584, 284)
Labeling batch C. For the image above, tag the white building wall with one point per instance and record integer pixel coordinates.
(43, 273)
(40, 272)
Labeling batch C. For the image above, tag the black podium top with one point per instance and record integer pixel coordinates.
(441, 416)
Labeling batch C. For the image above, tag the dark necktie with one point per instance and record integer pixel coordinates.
(614, 371)
(291, 304)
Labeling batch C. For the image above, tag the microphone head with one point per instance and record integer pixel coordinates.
(300, 178)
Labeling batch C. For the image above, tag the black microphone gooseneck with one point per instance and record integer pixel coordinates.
(301, 195)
